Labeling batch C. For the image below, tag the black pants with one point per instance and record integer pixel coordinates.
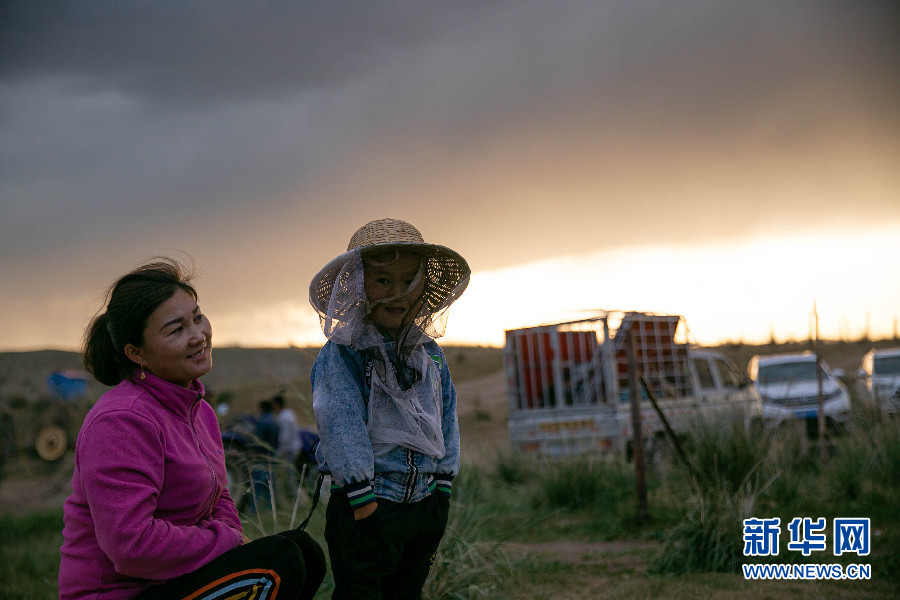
(286, 566)
(388, 555)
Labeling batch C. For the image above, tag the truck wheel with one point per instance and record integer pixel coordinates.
(51, 443)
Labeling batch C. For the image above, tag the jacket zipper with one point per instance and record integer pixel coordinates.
(212, 471)
(412, 477)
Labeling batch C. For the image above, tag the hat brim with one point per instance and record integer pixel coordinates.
(447, 271)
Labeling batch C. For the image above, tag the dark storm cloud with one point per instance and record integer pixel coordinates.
(258, 136)
(110, 106)
(186, 52)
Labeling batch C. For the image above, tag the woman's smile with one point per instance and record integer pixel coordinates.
(177, 341)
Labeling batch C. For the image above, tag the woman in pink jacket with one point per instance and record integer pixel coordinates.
(150, 515)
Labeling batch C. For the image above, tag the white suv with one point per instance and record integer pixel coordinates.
(881, 369)
(789, 388)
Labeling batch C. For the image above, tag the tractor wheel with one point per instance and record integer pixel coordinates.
(51, 443)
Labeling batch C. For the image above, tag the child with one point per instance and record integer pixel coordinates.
(385, 407)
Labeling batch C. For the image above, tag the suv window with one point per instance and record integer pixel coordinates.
(887, 365)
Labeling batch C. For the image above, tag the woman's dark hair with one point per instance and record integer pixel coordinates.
(130, 302)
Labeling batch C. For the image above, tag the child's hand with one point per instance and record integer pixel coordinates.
(364, 511)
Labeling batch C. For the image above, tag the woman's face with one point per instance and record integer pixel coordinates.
(177, 341)
(391, 280)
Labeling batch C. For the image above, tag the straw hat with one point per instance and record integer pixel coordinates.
(446, 272)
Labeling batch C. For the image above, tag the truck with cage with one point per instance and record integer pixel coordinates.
(569, 392)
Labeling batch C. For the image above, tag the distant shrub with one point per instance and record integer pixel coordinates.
(514, 468)
(866, 460)
(582, 482)
(709, 537)
(885, 464)
(727, 479)
(466, 565)
(789, 468)
(725, 457)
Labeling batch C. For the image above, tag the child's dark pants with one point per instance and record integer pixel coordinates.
(388, 555)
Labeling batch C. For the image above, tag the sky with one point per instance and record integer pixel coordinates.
(734, 162)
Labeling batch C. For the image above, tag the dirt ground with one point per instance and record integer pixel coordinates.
(482, 408)
(30, 485)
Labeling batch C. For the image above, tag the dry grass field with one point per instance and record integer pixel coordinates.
(241, 377)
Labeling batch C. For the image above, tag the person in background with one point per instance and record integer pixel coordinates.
(263, 449)
(288, 440)
(385, 407)
(149, 515)
(266, 429)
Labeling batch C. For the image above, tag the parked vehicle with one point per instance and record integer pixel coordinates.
(45, 425)
(788, 385)
(881, 370)
(568, 383)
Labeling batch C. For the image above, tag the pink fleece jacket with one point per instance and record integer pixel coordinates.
(149, 501)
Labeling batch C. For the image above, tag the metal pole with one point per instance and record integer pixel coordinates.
(670, 433)
(823, 451)
(637, 438)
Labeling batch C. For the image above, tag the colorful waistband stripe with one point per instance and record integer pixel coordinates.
(361, 496)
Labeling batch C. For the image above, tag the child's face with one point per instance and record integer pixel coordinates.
(390, 280)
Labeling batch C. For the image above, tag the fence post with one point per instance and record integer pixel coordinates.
(637, 437)
(820, 418)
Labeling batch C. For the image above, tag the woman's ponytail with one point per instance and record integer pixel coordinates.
(102, 358)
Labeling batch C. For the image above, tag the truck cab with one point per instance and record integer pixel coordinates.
(718, 380)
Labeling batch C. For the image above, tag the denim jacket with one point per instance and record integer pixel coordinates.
(363, 470)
